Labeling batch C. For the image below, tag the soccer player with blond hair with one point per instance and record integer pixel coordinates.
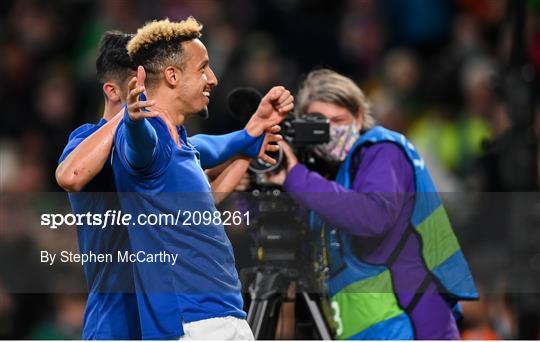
(85, 171)
(159, 171)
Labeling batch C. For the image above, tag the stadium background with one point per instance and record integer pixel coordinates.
(441, 71)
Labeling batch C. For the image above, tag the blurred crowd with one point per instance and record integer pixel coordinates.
(433, 69)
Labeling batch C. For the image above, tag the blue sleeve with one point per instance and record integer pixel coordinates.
(141, 142)
(163, 149)
(216, 149)
(75, 138)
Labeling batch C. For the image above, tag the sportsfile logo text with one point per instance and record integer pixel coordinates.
(118, 218)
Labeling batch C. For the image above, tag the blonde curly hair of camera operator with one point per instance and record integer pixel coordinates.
(326, 85)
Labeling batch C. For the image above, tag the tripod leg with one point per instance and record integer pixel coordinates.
(251, 311)
(316, 315)
(257, 313)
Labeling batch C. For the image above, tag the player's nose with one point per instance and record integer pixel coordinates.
(212, 79)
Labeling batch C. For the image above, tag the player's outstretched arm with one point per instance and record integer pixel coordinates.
(87, 159)
(273, 108)
(141, 138)
(217, 149)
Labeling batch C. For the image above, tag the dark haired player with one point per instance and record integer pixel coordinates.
(111, 308)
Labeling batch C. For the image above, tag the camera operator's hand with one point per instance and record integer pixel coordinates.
(274, 107)
(290, 161)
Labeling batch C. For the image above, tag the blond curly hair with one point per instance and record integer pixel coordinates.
(158, 44)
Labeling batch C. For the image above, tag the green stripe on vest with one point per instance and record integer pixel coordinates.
(438, 240)
(363, 304)
(361, 301)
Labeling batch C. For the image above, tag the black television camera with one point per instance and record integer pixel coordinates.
(281, 242)
(275, 209)
(302, 131)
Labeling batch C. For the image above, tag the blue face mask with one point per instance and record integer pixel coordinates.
(342, 138)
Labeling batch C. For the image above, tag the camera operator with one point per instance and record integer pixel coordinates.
(394, 268)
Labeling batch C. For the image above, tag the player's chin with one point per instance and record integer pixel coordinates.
(203, 113)
(203, 104)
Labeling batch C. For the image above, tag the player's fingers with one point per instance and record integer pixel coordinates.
(287, 108)
(141, 76)
(135, 115)
(138, 108)
(272, 148)
(284, 96)
(134, 94)
(286, 102)
(144, 104)
(138, 115)
(274, 137)
(275, 129)
(150, 114)
(132, 83)
(131, 107)
(266, 158)
(275, 93)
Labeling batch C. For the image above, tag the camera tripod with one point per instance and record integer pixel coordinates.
(268, 294)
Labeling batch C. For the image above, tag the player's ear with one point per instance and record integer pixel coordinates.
(112, 91)
(171, 75)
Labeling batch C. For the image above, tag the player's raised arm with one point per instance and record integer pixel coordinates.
(141, 137)
(250, 142)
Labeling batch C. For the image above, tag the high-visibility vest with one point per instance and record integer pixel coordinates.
(361, 295)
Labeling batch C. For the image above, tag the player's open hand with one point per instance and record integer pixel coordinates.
(137, 107)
